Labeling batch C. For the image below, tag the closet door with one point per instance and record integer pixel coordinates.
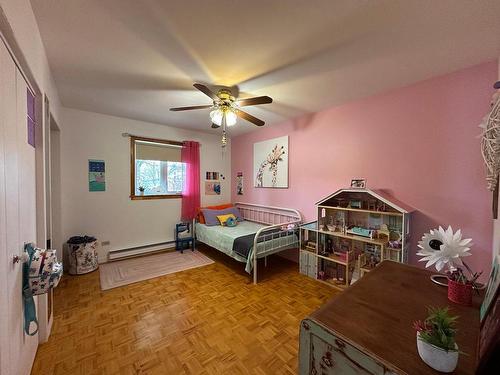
(11, 184)
(23, 346)
(20, 211)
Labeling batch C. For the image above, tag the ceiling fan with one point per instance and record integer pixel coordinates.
(226, 108)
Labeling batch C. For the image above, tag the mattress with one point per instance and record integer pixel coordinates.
(222, 239)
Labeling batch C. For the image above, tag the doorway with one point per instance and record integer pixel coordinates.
(52, 209)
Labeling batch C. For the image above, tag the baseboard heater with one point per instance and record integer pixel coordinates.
(139, 250)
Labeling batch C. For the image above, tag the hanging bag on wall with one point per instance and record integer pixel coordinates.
(41, 272)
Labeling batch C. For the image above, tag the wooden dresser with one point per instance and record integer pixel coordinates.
(368, 329)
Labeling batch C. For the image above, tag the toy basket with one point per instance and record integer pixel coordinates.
(82, 255)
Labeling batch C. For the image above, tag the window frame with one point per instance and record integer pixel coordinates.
(133, 196)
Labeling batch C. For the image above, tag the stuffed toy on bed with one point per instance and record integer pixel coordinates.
(231, 222)
(228, 220)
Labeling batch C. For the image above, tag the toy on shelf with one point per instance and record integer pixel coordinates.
(355, 204)
(310, 246)
(372, 204)
(384, 232)
(395, 244)
(358, 231)
(365, 263)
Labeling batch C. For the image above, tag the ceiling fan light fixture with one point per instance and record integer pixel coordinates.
(229, 113)
(225, 109)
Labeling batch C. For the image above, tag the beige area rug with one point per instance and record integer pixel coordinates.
(128, 271)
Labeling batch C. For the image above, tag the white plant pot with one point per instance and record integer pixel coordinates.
(437, 358)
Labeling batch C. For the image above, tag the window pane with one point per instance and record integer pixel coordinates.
(175, 177)
(147, 177)
(159, 177)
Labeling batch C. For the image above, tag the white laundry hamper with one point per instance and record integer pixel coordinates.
(82, 255)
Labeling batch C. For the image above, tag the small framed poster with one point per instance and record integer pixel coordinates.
(97, 175)
(211, 175)
(358, 183)
(212, 188)
(239, 183)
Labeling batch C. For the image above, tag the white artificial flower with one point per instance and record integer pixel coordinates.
(441, 247)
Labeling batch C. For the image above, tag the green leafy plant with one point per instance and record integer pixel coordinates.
(438, 328)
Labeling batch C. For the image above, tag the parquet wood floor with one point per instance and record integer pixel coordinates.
(207, 320)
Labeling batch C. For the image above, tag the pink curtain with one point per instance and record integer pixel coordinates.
(190, 155)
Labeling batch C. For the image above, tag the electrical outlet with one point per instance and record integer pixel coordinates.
(105, 243)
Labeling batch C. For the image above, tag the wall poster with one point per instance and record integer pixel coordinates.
(97, 175)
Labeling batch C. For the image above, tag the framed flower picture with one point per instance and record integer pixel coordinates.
(489, 334)
(492, 288)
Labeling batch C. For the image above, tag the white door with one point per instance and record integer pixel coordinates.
(4, 347)
(18, 194)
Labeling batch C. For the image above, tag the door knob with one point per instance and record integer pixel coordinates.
(20, 258)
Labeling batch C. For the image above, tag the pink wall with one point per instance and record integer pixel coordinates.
(419, 143)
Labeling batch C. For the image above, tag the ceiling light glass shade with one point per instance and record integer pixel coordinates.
(230, 117)
(217, 115)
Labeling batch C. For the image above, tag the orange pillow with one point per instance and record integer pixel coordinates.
(201, 218)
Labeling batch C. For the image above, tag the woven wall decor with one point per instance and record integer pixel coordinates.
(490, 142)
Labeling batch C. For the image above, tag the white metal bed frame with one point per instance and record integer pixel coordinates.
(273, 218)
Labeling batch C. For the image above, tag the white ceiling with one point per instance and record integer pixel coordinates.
(137, 59)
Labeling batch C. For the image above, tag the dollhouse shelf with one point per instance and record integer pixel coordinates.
(336, 284)
(334, 258)
(374, 212)
(355, 238)
(369, 210)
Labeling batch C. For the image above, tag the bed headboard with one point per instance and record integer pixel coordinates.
(268, 215)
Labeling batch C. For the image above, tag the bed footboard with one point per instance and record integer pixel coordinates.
(275, 218)
(273, 239)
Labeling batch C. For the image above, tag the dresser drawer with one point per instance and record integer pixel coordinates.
(323, 353)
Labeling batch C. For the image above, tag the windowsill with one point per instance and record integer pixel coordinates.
(160, 196)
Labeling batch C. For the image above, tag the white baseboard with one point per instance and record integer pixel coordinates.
(139, 250)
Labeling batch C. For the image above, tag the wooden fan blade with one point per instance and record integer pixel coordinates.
(254, 101)
(215, 126)
(190, 108)
(249, 117)
(204, 89)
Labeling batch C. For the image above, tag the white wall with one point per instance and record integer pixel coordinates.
(22, 21)
(112, 215)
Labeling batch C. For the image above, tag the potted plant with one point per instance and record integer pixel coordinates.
(141, 190)
(436, 340)
(445, 249)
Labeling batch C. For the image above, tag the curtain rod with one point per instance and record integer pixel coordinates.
(154, 140)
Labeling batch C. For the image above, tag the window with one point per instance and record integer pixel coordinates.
(156, 169)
